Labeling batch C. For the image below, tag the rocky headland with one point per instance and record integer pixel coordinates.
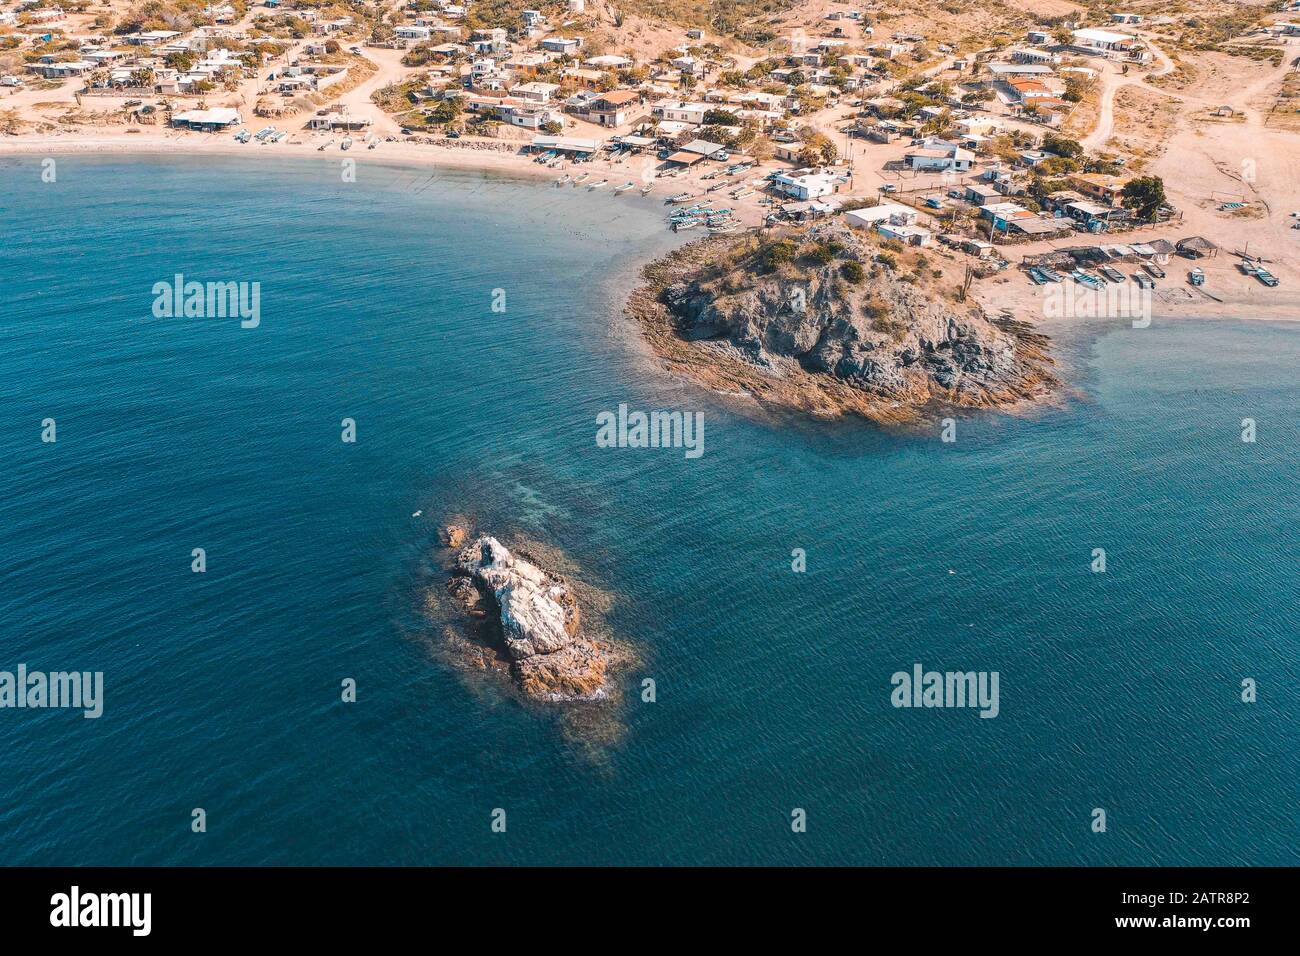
(828, 320)
(531, 616)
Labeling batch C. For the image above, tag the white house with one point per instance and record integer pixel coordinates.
(938, 155)
(675, 111)
(569, 45)
(911, 235)
(608, 61)
(866, 218)
(807, 183)
(208, 120)
(534, 93)
(1105, 42)
(413, 33)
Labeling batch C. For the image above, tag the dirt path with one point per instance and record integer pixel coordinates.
(357, 103)
(1112, 83)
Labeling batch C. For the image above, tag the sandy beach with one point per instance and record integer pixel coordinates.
(502, 157)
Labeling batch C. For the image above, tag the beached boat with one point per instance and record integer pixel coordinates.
(582, 179)
(603, 182)
(280, 137)
(679, 198)
(243, 136)
(1084, 279)
(681, 224)
(1051, 275)
(647, 189)
(563, 179)
(347, 143)
(624, 188)
(1266, 277)
(1155, 271)
(1114, 275)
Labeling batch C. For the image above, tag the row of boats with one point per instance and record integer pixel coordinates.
(585, 179)
(268, 135)
(1042, 275)
(699, 214)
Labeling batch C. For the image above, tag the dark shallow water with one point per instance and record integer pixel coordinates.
(1118, 690)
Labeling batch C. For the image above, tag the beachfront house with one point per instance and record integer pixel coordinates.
(810, 183)
(615, 108)
(572, 147)
(328, 120)
(208, 121)
(528, 115)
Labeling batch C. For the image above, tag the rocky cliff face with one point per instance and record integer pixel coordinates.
(829, 314)
(540, 625)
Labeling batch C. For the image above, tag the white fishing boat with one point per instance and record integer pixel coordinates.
(681, 224)
(347, 143)
(624, 188)
(603, 182)
(647, 189)
(582, 179)
(563, 179)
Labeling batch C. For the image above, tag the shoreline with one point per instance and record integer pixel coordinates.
(184, 144)
(482, 156)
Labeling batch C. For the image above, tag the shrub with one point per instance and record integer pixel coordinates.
(775, 253)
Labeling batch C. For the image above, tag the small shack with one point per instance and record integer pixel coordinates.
(1197, 247)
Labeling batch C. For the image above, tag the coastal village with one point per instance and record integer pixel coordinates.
(1045, 143)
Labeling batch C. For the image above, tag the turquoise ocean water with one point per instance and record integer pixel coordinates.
(1118, 690)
